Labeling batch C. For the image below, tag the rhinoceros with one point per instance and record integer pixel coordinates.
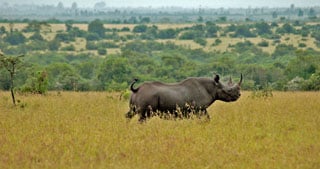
(196, 93)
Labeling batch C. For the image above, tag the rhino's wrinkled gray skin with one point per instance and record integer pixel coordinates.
(198, 93)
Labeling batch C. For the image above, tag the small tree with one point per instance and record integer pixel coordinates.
(11, 64)
(15, 38)
(97, 27)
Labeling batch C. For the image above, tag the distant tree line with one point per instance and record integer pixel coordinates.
(142, 15)
(49, 65)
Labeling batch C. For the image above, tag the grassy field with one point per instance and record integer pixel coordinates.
(88, 130)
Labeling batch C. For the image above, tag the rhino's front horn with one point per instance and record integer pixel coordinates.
(240, 80)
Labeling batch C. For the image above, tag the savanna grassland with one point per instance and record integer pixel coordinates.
(88, 130)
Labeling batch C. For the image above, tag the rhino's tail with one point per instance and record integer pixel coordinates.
(132, 88)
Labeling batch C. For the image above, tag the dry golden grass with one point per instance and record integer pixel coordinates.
(88, 130)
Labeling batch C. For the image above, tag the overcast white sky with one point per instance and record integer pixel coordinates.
(182, 3)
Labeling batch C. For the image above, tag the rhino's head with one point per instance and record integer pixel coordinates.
(227, 92)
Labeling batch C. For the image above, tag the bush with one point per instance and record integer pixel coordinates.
(102, 51)
(167, 34)
(295, 84)
(107, 45)
(64, 37)
(37, 83)
(68, 48)
(91, 45)
(54, 45)
(92, 36)
(189, 35)
(201, 41)
(15, 38)
(37, 45)
(263, 92)
(243, 31)
(97, 27)
(115, 86)
(263, 43)
(217, 42)
(140, 29)
(313, 83)
(36, 36)
(302, 45)
(125, 29)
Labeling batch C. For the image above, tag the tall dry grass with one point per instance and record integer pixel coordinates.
(88, 130)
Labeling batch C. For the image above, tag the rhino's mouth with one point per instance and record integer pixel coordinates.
(232, 95)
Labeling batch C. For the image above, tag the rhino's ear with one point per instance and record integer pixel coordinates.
(216, 78)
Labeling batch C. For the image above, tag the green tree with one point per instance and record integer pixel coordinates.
(116, 69)
(36, 36)
(15, 38)
(68, 25)
(92, 36)
(312, 13)
(145, 20)
(243, 31)
(65, 37)
(211, 29)
(102, 51)
(11, 64)
(313, 83)
(191, 34)
(35, 26)
(54, 45)
(283, 49)
(286, 28)
(86, 69)
(97, 27)
(37, 82)
(304, 65)
(300, 13)
(201, 41)
(263, 28)
(167, 33)
(2, 30)
(274, 14)
(140, 29)
(62, 76)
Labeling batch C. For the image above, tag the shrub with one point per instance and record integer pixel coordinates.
(295, 84)
(263, 43)
(36, 36)
(201, 41)
(91, 45)
(37, 83)
(140, 29)
(54, 45)
(263, 92)
(189, 35)
(92, 36)
(102, 51)
(217, 42)
(97, 27)
(68, 48)
(15, 38)
(302, 45)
